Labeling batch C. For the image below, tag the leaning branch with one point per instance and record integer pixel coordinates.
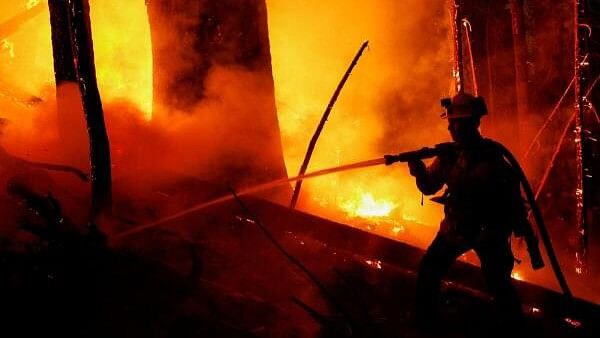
(313, 141)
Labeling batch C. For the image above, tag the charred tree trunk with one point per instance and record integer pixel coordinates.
(64, 66)
(218, 51)
(582, 32)
(459, 69)
(520, 51)
(83, 53)
(71, 125)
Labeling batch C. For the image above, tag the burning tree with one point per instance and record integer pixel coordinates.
(218, 51)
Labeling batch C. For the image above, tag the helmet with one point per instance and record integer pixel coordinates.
(464, 105)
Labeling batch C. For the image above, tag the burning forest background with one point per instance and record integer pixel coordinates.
(202, 96)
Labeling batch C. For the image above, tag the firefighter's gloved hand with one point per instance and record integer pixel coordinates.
(416, 168)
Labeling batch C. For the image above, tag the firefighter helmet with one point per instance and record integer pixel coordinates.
(463, 106)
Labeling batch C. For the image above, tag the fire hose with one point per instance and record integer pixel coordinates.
(536, 258)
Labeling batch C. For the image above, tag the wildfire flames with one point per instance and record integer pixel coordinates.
(307, 65)
(306, 68)
(122, 49)
(516, 275)
(7, 46)
(368, 206)
(397, 82)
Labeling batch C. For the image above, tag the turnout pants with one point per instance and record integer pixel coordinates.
(496, 264)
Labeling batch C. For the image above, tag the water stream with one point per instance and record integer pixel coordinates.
(252, 190)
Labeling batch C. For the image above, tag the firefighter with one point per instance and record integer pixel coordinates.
(482, 207)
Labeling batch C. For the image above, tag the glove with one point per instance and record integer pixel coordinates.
(416, 168)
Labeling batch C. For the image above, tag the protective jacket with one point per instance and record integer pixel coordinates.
(482, 196)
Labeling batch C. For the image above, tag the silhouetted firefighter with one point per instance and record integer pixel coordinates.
(482, 206)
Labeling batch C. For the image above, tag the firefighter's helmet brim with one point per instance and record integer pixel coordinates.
(462, 106)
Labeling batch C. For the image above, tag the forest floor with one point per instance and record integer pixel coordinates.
(216, 273)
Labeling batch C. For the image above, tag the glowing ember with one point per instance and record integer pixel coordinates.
(32, 3)
(307, 65)
(409, 218)
(368, 206)
(374, 263)
(573, 322)
(123, 61)
(6, 45)
(516, 275)
(397, 229)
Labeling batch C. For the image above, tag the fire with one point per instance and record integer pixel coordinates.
(122, 49)
(367, 206)
(32, 3)
(397, 229)
(7, 46)
(516, 275)
(306, 69)
(123, 60)
(312, 44)
(389, 104)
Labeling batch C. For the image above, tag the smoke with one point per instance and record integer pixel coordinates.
(390, 103)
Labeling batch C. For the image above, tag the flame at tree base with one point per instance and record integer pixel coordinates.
(366, 206)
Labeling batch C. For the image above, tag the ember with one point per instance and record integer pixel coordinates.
(516, 275)
(374, 263)
(573, 322)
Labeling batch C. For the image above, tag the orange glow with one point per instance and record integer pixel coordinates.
(367, 206)
(123, 52)
(306, 69)
(390, 103)
(8, 47)
(516, 275)
(32, 3)
(312, 44)
(122, 49)
(374, 263)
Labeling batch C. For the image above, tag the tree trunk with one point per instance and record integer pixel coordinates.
(218, 51)
(582, 142)
(83, 53)
(64, 67)
(521, 77)
(71, 124)
(459, 70)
